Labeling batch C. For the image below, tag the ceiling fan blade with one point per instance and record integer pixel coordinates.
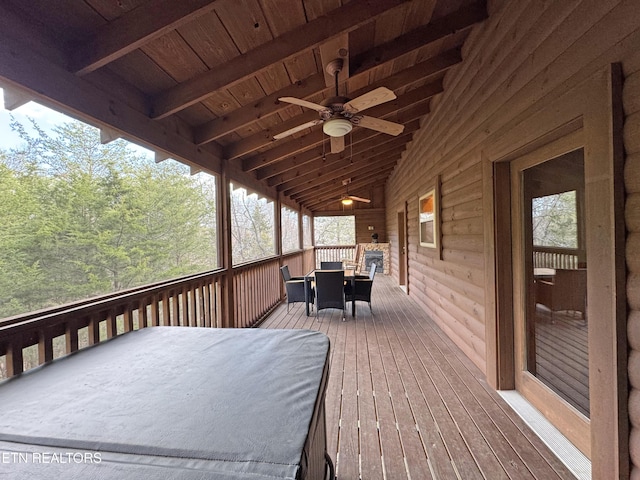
(297, 129)
(380, 125)
(359, 199)
(337, 144)
(304, 103)
(369, 99)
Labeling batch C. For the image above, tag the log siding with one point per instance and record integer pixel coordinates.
(526, 55)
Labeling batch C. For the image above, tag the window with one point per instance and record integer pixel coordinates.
(81, 219)
(307, 239)
(340, 230)
(555, 220)
(252, 226)
(290, 230)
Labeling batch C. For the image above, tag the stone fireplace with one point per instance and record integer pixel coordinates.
(377, 253)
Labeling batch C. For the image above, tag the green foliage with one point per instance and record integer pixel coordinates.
(82, 219)
(339, 230)
(252, 227)
(290, 233)
(555, 221)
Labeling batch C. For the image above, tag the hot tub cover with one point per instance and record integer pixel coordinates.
(168, 402)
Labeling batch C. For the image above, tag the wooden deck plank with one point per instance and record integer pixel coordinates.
(392, 454)
(417, 462)
(539, 459)
(398, 370)
(370, 453)
(348, 442)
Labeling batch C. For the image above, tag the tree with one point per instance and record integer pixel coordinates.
(339, 230)
(81, 219)
(555, 222)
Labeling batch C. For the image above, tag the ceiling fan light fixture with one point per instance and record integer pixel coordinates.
(337, 127)
(347, 201)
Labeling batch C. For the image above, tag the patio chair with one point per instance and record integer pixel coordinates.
(330, 265)
(353, 263)
(294, 287)
(566, 292)
(362, 288)
(330, 290)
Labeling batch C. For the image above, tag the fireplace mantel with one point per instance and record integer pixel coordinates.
(383, 247)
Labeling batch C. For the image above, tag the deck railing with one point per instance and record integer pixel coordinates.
(549, 257)
(334, 253)
(256, 291)
(32, 339)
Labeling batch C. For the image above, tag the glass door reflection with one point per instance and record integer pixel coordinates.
(556, 324)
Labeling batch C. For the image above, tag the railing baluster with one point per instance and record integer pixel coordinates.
(94, 330)
(45, 346)
(195, 301)
(71, 336)
(112, 328)
(14, 358)
(128, 318)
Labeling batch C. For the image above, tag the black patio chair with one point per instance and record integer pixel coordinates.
(330, 265)
(330, 290)
(362, 288)
(294, 287)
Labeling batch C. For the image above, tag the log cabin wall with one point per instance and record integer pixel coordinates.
(526, 53)
(631, 102)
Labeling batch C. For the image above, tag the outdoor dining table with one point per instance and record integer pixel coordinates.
(349, 276)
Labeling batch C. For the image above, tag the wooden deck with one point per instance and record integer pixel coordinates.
(403, 402)
(562, 356)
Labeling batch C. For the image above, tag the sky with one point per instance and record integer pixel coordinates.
(45, 117)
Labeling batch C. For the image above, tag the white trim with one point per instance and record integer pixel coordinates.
(568, 454)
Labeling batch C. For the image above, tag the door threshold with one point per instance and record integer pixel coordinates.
(568, 453)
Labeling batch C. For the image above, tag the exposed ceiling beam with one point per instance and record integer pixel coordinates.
(334, 192)
(54, 86)
(333, 162)
(338, 21)
(363, 148)
(313, 85)
(260, 109)
(462, 18)
(357, 180)
(346, 171)
(264, 138)
(133, 29)
(313, 139)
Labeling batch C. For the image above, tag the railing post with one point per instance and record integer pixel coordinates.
(225, 256)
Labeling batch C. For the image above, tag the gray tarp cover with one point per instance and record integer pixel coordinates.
(168, 403)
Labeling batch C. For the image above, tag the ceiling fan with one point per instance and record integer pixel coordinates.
(349, 199)
(339, 114)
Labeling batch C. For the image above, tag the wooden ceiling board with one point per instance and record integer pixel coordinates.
(419, 12)
(140, 70)
(362, 39)
(245, 22)
(209, 40)
(76, 19)
(316, 8)
(111, 10)
(302, 66)
(175, 57)
(221, 103)
(306, 37)
(283, 15)
(389, 25)
(247, 92)
(195, 114)
(273, 78)
(210, 73)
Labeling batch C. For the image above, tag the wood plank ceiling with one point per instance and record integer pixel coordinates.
(199, 80)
